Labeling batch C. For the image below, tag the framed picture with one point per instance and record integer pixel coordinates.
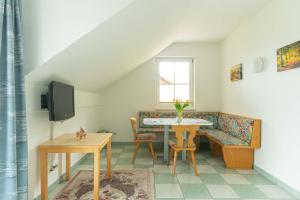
(288, 57)
(236, 73)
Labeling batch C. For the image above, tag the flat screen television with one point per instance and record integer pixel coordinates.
(60, 101)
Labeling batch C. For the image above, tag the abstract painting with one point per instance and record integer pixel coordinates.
(236, 73)
(288, 57)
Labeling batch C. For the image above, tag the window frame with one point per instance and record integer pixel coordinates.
(169, 105)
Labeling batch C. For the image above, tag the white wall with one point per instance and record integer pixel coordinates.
(137, 90)
(272, 96)
(87, 114)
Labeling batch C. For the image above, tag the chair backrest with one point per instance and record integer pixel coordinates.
(134, 126)
(180, 130)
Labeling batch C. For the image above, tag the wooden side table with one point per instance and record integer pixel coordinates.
(68, 144)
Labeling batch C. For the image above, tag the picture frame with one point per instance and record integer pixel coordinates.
(236, 73)
(288, 57)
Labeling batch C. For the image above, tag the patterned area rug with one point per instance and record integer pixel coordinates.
(124, 185)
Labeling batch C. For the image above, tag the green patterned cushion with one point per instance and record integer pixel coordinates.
(225, 138)
(209, 116)
(237, 126)
(145, 136)
(151, 130)
(154, 114)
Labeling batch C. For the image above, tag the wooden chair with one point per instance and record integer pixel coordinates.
(183, 145)
(142, 138)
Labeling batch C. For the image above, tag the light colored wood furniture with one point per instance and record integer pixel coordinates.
(68, 144)
(167, 122)
(139, 138)
(238, 156)
(183, 145)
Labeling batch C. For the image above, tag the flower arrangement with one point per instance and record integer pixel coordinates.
(180, 106)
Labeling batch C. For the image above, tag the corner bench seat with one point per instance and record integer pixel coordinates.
(150, 130)
(146, 136)
(224, 138)
(231, 136)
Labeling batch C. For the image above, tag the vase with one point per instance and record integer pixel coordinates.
(179, 116)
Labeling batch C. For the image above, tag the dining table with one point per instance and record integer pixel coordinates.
(167, 123)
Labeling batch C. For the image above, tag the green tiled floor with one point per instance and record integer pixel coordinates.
(214, 182)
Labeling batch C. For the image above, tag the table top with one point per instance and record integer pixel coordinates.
(173, 121)
(69, 140)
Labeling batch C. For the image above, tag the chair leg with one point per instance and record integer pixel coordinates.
(174, 163)
(171, 154)
(150, 145)
(194, 163)
(188, 158)
(137, 147)
(149, 148)
(197, 141)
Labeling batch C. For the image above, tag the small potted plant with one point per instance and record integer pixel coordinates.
(180, 106)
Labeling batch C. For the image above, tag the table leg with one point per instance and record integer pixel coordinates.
(166, 143)
(108, 158)
(44, 174)
(68, 166)
(96, 174)
(183, 153)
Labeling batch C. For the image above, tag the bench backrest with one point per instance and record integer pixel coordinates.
(245, 128)
(210, 116)
(154, 114)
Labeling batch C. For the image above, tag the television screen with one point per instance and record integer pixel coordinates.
(61, 101)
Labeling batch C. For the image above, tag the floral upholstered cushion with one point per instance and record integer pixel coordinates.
(237, 126)
(151, 130)
(225, 138)
(209, 116)
(146, 136)
(240, 127)
(154, 114)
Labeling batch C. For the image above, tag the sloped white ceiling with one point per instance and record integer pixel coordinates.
(138, 32)
(52, 25)
(213, 20)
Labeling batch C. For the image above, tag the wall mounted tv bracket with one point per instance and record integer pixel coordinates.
(44, 101)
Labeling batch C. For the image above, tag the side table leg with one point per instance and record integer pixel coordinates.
(68, 166)
(96, 174)
(44, 174)
(108, 158)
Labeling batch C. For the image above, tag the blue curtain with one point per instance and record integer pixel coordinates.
(13, 136)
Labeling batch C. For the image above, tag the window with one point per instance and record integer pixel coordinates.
(175, 81)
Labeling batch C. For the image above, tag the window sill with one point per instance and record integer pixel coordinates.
(170, 107)
(173, 110)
